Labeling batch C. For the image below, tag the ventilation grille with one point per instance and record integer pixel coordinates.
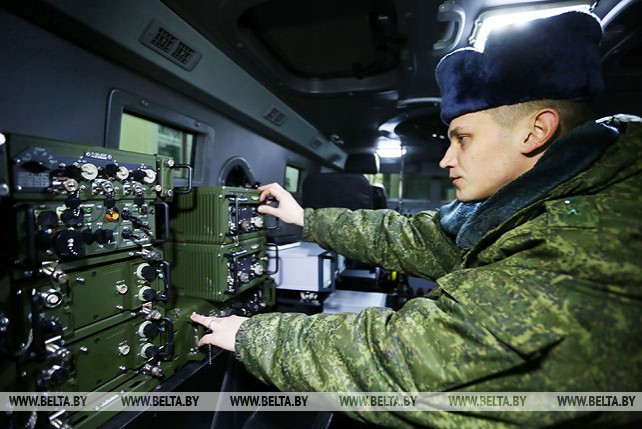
(161, 40)
(275, 116)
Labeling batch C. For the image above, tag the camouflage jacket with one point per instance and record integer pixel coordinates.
(549, 300)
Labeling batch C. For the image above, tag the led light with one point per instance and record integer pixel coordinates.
(497, 19)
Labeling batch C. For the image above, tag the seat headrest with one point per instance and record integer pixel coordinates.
(364, 163)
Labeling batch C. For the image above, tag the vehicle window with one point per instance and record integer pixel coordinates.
(292, 178)
(146, 136)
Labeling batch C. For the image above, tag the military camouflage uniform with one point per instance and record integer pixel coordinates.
(548, 300)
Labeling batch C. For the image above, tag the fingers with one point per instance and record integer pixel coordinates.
(200, 319)
(288, 210)
(273, 189)
(224, 330)
(207, 339)
(268, 210)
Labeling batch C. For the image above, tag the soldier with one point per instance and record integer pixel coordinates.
(536, 262)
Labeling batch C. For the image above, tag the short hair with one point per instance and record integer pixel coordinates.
(572, 113)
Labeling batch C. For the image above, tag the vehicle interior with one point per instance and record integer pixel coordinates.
(134, 135)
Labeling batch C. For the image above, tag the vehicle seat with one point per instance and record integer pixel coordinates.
(348, 189)
(351, 190)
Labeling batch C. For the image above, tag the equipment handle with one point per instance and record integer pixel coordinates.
(276, 257)
(190, 174)
(166, 214)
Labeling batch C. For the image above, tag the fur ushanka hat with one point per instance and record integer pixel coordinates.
(549, 58)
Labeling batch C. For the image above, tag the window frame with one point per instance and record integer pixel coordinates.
(120, 102)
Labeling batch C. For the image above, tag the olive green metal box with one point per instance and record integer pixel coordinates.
(217, 215)
(217, 272)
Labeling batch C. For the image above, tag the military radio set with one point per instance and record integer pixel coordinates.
(104, 261)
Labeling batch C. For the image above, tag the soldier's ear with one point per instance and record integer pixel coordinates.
(541, 128)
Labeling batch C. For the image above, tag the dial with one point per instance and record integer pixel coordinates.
(150, 176)
(122, 173)
(89, 171)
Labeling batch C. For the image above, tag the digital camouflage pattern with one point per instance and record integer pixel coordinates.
(550, 300)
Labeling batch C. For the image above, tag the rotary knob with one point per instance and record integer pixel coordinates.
(111, 170)
(55, 375)
(72, 201)
(146, 272)
(69, 243)
(71, 218)
(73, 171)
(104, 236)
(51, 298)
(148, 329)
(149, 351)
(147, 294)
(89, 171)
(138, 175)
(47, 219)
(150, 176)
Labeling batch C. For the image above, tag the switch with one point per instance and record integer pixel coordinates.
(103, 236)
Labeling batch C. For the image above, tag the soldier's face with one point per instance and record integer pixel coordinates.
(482, 157)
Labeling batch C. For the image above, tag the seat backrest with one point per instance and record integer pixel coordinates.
(347, 190)
(379, 196)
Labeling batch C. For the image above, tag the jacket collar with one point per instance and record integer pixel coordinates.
(563, 160)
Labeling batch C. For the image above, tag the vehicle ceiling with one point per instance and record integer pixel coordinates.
(350, 67)
(356, 70)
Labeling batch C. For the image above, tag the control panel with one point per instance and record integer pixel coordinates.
(103, 262)
(85, 284)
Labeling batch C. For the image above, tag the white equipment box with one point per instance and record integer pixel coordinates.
(349, 301)
(305, 266)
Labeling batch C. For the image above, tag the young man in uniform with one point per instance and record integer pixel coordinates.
(537, 262)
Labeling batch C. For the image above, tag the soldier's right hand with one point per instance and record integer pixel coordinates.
(288, 210)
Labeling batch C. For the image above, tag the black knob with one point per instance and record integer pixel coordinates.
(73, 171)
(55, 375)
(126, 215)
(103, 236)
(111, 170)
(139, 199)
(149, 294)
(47, 219)
(149, 273)
(139, 175)
(151, 351)
(88, 236)
(69, 243)
(71, 218)
(72, 202)
(110, 202)
(149, 330)
(127, 233)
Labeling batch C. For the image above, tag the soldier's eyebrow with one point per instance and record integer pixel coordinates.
(455, 131)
